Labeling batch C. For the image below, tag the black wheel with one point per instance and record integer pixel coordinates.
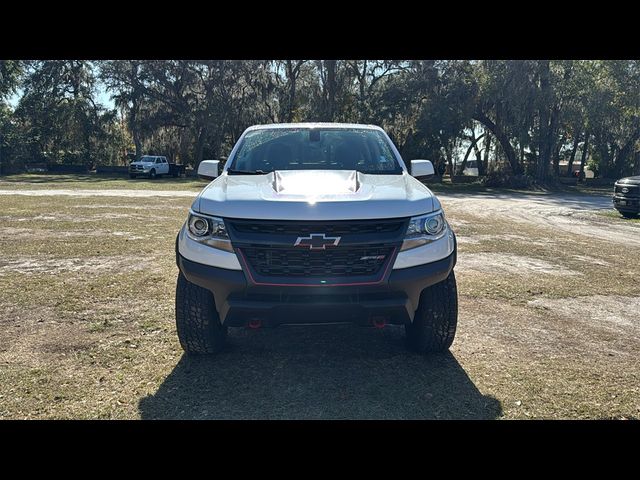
(152, 174)
(628, 214)
(434, 325)
(197, 321)
(131, 175)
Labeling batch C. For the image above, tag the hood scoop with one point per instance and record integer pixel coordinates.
(316, 183)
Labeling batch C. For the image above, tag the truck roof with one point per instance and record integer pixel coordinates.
(314, 125)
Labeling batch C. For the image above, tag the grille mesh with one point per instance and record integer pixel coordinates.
(332, 262)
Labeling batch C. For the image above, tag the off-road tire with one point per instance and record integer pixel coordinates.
(152, 174)
(434, 325)
(629, 214)
(197, 321)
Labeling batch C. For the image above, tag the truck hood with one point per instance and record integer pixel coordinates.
(630, 180)
(315, 195)
(144, 164)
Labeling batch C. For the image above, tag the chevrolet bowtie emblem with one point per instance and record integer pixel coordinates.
(317, 241)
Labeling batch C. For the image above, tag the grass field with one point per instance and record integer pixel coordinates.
(549, 327)
(94, 181)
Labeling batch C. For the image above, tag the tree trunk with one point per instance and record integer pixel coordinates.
(605, 158)
(331, 89)
(624, 152)
(449, 155)
(583, 158)
(138, 143)
(474, 142)
(545, 121)
(574, 150)
(483, 166)
(200, 147)
(502, 138)
(556, 156)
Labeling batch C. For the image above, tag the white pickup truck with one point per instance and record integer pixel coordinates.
(315, 223)
(154, 166)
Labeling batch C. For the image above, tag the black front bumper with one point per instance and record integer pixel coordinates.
(238, 300)
(624, 203)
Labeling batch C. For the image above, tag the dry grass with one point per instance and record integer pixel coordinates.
(94, 181)
(548, 327)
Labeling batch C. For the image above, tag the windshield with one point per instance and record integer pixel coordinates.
(147, 159)
(266, 150)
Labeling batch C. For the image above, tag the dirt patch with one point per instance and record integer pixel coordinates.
(475, 239)
(600, 311)
(62, 217)
(462, 239)
(591, 260)
(54, 266)
(497, 263)
(112, 207)
(557, 213)
(13, 234)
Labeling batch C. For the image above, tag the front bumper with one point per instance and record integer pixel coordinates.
(238, 300)
(626, 204)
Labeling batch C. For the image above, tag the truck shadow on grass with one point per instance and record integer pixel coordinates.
(318, 372)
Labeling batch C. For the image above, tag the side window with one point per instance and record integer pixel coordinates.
(164, 160)
(158, 160)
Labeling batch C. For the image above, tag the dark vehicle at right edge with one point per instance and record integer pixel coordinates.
(626, 196)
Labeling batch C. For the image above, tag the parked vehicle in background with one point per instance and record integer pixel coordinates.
(626, 196)
(153, 166)
(471, 168)
(563, 167)
(316, 223)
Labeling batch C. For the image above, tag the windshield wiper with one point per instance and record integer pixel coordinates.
(246, 172)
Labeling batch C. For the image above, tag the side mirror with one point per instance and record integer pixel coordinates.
(208, 169)
(422, 168)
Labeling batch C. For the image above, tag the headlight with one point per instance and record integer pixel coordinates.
(424, 229)
(208, 230)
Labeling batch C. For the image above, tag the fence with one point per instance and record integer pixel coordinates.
(111, 169)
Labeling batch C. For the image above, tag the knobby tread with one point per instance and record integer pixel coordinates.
(434, 326)
(197, 321)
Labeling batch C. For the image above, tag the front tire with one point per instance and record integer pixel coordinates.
(152, 175)
(434, 325)
(199, 329)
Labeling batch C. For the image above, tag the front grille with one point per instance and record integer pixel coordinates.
(362, 251)
(330, 263)
(339, 228)
(633, 190)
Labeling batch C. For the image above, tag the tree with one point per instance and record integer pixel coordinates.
(126, 80)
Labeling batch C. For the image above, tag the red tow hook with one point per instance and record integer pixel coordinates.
(379, 322)
(255, 323)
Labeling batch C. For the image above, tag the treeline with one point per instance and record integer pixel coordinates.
(518, 119)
